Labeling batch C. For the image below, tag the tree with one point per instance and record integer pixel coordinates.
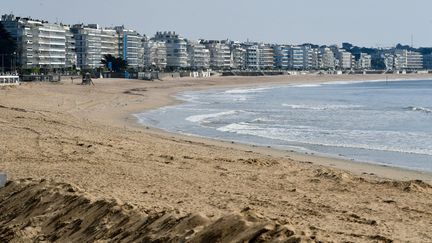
(116, 64)
(378, 64)
(8, 49)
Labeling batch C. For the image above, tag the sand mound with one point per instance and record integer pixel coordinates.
(47, 211)
(410, 186)
(333, 175)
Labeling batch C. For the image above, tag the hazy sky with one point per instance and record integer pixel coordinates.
(362, 22)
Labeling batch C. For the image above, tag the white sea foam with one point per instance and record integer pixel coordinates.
(358, 139)
(204, 117)
(247, 91)
(322, 106)
(305, 85)
(421, 109)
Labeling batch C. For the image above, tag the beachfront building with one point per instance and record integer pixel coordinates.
(310, 57)
(364, 62)
(88, 46)
(220, 54)
(400, 62)
(92, 43)
(259, 56)
(40, 44)
(71, 58)
(414, 60)
(345, 59)
(326, 59)
(176, 49)
(109, 42)
(155, 54)
(407, 60)
(296, 57)
(130, 47)
(281, 56)
(198, 56)
(238, 56)
(388, 61)
(314, 59)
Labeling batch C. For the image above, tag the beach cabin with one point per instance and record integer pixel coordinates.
(9, 80)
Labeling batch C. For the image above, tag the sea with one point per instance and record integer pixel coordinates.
(380, 122)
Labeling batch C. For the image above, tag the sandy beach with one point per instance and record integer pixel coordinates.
(84, 142)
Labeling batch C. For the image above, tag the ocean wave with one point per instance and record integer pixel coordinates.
(421, 109)
(202, 118)
(305, 85)
(322, 107)
(247, 91)
(414, 143)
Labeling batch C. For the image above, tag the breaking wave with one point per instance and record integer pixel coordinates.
(420, 109)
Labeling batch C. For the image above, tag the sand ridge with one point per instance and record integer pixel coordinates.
(48, 211)
(85, 136)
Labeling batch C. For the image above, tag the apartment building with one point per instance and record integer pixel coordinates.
(71, 58)
(315, 55)
(326, 59)
(281, 56)
(296, 57)
(40, 44)
(198, 56)
(345, 59)
(407, 60)
(310, 57)
(88, 45)
(238, 56)
(109, 42)
(259, 56)
(130, 46)
(364, 62)
(414, 60)
(155, 54)
(176, 49)
(220, 54)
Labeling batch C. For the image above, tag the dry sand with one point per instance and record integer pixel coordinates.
(87, 137)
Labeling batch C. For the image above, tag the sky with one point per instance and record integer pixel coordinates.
(369, 23)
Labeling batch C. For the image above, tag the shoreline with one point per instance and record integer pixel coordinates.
(370, 169)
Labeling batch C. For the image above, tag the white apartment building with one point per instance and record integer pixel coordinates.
(40, 44)
(259, 56)
(364, 62)
(88, 46)
(414, 60)
(310, 57)
(155, 54)
(315, 64)
(176, 49)
(92, 43)
(109, 42)
(326, 59)
(220, 54)
(408, 60)
(345, 59)
(130, 46)
(198, 56)
(238, 56)
(266, 56)
(389, 60)
(71, 58)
